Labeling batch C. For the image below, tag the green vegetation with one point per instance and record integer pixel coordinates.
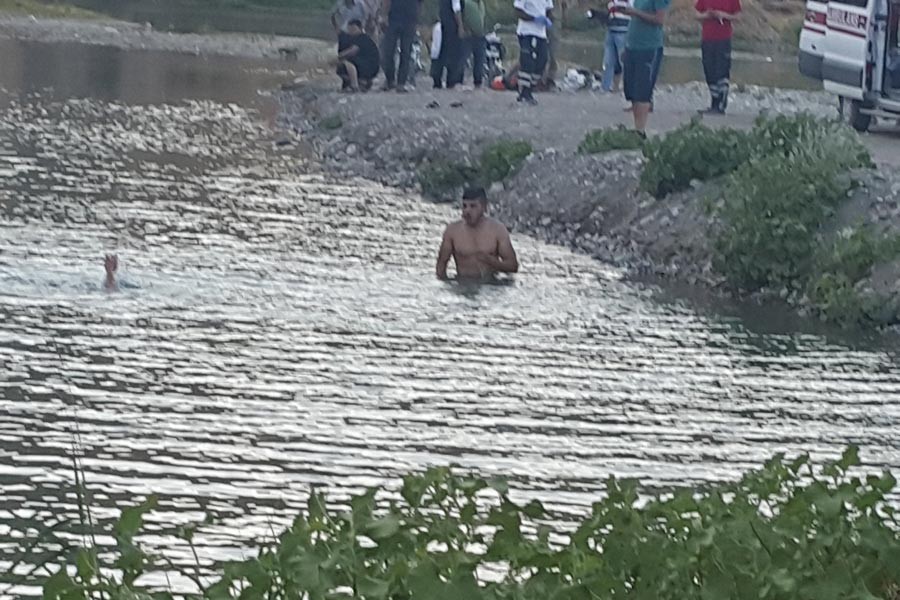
(55, 10)
(843, 263)
(498, 161)
(613, 138)
(787, 531)
(782, 181)
(502, 159)
(331, 122)
(691, 152)
(442, 177)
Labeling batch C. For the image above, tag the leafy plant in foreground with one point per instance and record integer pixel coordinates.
(787, 531)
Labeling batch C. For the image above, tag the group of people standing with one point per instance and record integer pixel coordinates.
(633, 51)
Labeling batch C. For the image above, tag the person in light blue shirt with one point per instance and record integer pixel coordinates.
(643, 54)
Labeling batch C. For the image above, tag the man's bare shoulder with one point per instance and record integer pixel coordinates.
(455, 226)
(496, 226)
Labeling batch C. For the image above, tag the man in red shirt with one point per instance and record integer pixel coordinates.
(717, 17)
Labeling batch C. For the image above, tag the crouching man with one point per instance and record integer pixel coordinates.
(358, 58)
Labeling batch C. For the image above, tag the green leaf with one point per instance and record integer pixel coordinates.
(784, 581)
(383, 528)
(369, 587)
(85, 563)
(413, 489)
(58, 585)
(850, 458)
(499, 485)
(221, 590)
(534, 510)
(132, 519)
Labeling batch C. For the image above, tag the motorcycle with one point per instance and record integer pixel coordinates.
(495, 54)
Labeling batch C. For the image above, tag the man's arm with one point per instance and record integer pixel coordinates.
(349, 52)
(444, 254)
(457, 14)
(524, 15)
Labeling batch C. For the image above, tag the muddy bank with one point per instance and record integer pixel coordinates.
(133, 36)
(591, 203)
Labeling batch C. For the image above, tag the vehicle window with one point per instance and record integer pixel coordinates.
(857, 3)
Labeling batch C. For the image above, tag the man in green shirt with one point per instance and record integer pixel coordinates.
(474, 41)
(643, 54)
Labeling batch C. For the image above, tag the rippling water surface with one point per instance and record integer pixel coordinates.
(276, 329)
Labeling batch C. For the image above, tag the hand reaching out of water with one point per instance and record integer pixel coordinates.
(111, 264)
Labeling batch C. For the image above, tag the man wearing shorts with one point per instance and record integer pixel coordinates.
(643, 54)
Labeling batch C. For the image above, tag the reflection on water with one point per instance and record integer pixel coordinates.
(287, 330)
(133, 77)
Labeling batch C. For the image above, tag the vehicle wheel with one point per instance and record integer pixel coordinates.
(858, 120)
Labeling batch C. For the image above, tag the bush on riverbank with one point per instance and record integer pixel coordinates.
(788, 530)
(841, 265)
(613, 138)
(498, 161)
(781, 182)
(774, 206)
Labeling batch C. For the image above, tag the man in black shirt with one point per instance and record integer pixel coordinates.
(357, 61)
(402, 16)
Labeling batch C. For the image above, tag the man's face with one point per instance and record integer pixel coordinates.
(472, 211)
(354, 29)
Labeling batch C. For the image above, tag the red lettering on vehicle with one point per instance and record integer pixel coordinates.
(845, 19)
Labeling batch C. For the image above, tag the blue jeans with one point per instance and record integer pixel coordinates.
(613, 50)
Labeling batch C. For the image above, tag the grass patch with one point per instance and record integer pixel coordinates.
(613, 138)
(498, 161)
(840, 265)
(503, 159)
(53, 10)
(691, 152)
(442, 177)
(790, 529)
(331, 122)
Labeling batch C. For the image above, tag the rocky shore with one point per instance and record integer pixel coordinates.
(591, 203)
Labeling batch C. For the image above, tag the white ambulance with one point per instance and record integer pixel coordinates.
(860, 57)
(812, 39)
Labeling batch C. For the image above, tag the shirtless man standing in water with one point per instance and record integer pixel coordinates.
(480, 246)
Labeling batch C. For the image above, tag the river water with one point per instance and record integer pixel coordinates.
(275, 329)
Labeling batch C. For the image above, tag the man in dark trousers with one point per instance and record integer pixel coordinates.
(402, 16)
(717, 17)
(534, 21)
(452, 40)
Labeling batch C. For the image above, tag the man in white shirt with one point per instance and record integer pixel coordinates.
(534, 21)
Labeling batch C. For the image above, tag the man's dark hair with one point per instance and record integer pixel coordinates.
(475, 193)
(356, 22)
